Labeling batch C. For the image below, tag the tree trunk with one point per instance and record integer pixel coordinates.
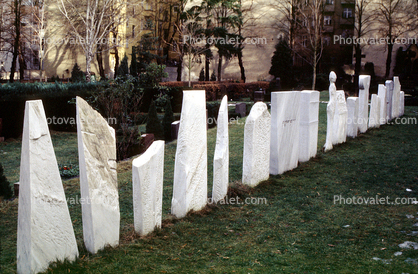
(17, 39)
(99, 57)
(357, 69)
(22, 66)
(89, 58)
(220, 68)
(389, 60)
(315, 61)
(207, 63)
(241, 65)
(179, 69)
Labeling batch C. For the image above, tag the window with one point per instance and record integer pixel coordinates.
(327, 20)
(347, 13)
(329, 2)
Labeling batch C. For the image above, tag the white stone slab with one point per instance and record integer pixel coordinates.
(396, 97)
(147, 188)
(363, 119)
(98, 178)
(308, 131)
(340, 119)
(402, 104)
(374, 117)
(383, 104)
(332, 104)
(190, 171)
(45, 232)
(284, 141)
(221, 157)
(352, 116)
(389, 94)
(256, 145)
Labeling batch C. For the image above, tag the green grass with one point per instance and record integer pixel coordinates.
(300, 230)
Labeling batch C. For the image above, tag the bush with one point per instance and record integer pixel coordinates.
(213, 76)
(202, 75)
(153, 123)
(167, 120)
(77, 75)
(123, 69)
(5, 189)
(281, 63)
(68, 171)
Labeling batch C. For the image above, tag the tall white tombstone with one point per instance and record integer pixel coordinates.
(190, 168)
(45, 232)
(308, 131)
(221, 157)
(284, 142)
(147, 188)
(340, 119)
(374, 118)
(332, 103)
(402, 104)
(383, 104)
(389, 94)
(98, 178)
(364, 84)
(352, 116)
(256, 145)
(396, 97)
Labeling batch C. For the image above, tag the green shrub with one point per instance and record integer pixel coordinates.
(68, 171)
(5, 189)
(202, 75)
(77, 75)
(213, 76)
(123, 69)
(167, 120)
(153, 123)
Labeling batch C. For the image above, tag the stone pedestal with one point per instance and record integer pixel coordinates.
(396, 97)
(284, 141)
(308, 124)
(241, 108)
(363, 118)
(175, 129)
(45, 232)
(374, 118)
(190, 170)
(402, 104)
(389, 94)
(98, 178)
(383, 104)
(147, 188)
(256, 145)
(352, 116)
(221, 157)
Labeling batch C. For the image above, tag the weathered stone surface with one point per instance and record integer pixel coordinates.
(389, 94)
(175, 129)
(308, 131)
(363, 118)
(340, 119)
(45, 232)
(402, 104)
(98, 178)
(382, 92)
(331, 111)
(147, 188)
(396, 97)
(284, 141)
(241, 108)
(352, 116)
(256, 145)
(190, 171)
(221, 157)
(374, 118)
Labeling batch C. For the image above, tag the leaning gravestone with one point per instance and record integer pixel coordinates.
(190, 170)
(256, 145)
(389, 94)
(364, 84)
(374, 118)
(308, 131)
(352, 116)
(331, 111)
(98, 178)
(221, 157)
(396, 97)
(241, 108)
(340, 119)
(284, 141)
(402, 104)
(45, 232)
(147, 188)
(382, 92)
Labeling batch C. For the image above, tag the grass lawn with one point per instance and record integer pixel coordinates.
(299, 230)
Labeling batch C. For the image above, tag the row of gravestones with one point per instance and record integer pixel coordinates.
(348, 118)
(273, 144)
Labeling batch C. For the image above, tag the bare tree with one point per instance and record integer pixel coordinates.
(396, 18)
(92, 21)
